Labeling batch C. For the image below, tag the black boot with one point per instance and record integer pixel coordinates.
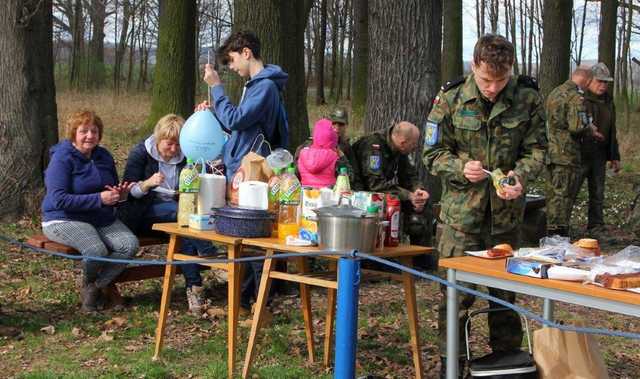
(443, 367)
(90, 295)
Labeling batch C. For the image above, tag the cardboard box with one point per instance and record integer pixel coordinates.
(527, 267)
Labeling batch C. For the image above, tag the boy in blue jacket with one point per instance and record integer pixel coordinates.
(257, 113)
(259, 108)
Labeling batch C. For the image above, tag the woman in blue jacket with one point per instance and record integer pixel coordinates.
(82, 191)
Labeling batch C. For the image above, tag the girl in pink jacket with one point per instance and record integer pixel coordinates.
(317, 163)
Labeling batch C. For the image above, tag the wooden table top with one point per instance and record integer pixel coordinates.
(388, 252)
(496, 268)
(209, 235)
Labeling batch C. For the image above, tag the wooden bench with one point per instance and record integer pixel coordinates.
(132, 273)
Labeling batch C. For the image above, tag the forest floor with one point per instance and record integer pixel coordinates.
(40, 298)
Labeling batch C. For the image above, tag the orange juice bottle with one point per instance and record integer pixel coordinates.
(289, 211)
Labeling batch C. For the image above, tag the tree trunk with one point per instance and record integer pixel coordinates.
(531, 22)
(452, 45)
(511, 15)
(349, 71)
(121, 45)
(28, 121)
(584, 17)
(96, 45)
(343, 30)
(77, 49)
(309, 51)
(335, 47)
(556, 45)
(133, 36)
(280, 27)
(174, 80)
(523, 40)
(360, 56)
(320, 53)
(404, 57)
(607, 36)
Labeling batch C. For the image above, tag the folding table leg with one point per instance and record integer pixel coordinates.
(169, 275)
(305, 302)
(412, 312)
(233, 304)
(261, 301)
(331, 316)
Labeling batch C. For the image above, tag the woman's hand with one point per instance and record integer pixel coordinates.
(109, 197)
(153, 181)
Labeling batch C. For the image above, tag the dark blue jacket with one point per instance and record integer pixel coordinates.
(257, 113)
(74, 182)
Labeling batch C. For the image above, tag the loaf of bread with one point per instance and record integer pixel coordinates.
(589, 244)
(619, 281)
(501, 250)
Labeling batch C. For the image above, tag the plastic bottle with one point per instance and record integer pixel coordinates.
(188, 185)
(392, 237)
(342, 186)
(274, 197)
(289, 212)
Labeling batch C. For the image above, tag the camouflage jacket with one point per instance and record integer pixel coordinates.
(511, 137)
(388, 171)
(567, 122)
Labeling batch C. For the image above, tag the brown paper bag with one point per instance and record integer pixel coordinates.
(567, 355)
(252, 167)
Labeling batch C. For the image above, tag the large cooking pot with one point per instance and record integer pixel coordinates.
(344, 228)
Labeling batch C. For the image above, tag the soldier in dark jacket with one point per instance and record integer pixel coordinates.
(567, 124)
(486, 121)
(601, 147)
(382, 164)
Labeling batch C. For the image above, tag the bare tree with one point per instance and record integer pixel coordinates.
(320, 53)
(607, 35)
(360, 55)
(452, 45)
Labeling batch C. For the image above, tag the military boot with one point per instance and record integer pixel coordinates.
(195, 298)
(90, 294)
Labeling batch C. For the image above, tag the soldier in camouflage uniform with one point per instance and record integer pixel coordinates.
(487, 120)
(567, 123)
(599, 148)
(383, 165)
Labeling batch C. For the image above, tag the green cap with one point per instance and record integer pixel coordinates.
(372, 209)
(343, 170)
(189, 160)
(291, 170)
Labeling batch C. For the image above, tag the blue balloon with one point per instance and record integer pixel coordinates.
(202, 136)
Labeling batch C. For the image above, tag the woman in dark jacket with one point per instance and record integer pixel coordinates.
(154, 166)
(78, 209)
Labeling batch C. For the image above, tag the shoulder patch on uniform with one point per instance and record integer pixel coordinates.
(527, 81)
(431, 133)
(374, 163)
(453, 83)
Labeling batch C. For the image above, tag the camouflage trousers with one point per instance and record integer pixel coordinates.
(560, 191)
(505, 329)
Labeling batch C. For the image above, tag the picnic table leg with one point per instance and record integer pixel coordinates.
(412, 312)
(169, 275)
(233, 294)
(548, 309)
(453, 340)
(261, 301)
(331, 316)
(305, 302)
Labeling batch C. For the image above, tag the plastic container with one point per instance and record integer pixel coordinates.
(188, 185)
(342, 186)
(289, 210)
(393, 217)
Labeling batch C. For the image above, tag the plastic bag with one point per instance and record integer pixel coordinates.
(629, 257)
(279, 158)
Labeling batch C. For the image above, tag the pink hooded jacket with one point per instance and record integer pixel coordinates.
(317, 163)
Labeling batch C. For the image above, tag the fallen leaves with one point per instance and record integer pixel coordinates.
(50, 330)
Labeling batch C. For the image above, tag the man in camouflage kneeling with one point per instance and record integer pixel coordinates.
(486, 121)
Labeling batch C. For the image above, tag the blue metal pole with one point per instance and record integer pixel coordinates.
(347, 318)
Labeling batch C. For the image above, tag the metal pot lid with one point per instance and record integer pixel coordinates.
(342, 210)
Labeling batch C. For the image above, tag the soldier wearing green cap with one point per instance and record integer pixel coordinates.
(340, 121)
(567, 124)
(486, 121)
(601, 147)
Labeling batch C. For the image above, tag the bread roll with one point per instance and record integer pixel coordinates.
(588, 244)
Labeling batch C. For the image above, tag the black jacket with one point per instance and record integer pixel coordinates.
(140, 166)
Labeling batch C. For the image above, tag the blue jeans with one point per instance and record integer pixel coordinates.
(167, 211)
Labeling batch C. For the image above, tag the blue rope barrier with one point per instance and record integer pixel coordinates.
(514, 307)
(422, 275)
